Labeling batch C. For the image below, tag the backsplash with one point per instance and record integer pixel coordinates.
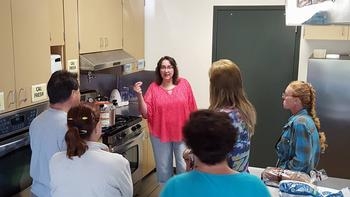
(147, 77)
(105, 81)
(101, 81)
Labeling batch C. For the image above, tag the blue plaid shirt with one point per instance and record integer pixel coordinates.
(298, 148)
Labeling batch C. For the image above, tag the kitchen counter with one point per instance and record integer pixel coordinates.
(331, 182)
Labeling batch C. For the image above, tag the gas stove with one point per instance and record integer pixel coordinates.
(125, 129)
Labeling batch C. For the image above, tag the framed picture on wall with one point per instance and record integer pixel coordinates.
(319, 12)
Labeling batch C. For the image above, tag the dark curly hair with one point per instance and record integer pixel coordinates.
(172, 61)
(210, 135)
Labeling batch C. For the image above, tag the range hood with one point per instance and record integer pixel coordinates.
(105, 59)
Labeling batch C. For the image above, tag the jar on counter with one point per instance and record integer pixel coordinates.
(107, 113)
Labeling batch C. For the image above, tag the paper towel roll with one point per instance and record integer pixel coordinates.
(55, 63)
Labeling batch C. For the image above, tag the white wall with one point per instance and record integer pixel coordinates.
(183, 29)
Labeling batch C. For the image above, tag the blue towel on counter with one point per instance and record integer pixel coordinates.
(290, 188)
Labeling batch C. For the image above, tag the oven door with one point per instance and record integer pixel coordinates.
(132, 151)
(15, 156)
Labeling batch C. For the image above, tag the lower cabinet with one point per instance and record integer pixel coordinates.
(148, 163)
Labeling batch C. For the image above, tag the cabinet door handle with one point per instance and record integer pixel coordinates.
(101, 42)
(11, 98)
(106, 42)
(23, 98)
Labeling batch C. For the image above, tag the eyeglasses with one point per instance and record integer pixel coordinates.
(166, 67)
(284, 95)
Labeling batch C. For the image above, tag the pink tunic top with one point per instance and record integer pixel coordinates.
(167, 111)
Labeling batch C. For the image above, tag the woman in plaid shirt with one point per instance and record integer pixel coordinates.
(301, 141)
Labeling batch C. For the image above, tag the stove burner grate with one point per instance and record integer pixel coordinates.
(121, 122)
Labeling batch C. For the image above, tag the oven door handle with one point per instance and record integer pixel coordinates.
(135, 139)
(13, 144)
(129, 143)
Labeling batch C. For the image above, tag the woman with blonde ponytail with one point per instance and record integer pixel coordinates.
(87, 168)
(301, 141)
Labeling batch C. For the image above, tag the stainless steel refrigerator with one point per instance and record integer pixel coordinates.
(331, 79)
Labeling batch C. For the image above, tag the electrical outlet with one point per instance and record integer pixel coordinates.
(141, 64)
(73, 66)
(127, 68)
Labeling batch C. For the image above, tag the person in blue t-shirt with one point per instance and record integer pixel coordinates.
(210, 135)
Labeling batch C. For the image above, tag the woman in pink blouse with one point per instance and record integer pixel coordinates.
(166, 105)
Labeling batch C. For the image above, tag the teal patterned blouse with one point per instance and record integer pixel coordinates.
(298, 148)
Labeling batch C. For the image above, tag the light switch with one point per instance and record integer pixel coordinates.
(2, 101)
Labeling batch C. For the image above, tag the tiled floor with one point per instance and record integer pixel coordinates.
(148, 187)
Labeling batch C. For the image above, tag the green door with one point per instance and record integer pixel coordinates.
(266, 50)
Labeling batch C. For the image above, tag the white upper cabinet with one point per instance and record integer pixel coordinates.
(7, 74)
(134, 27)
(56, 22)
(100, 25)
(25, 53)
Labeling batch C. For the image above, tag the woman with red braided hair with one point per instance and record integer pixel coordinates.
(301, 141)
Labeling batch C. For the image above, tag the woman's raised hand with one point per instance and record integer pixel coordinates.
(137, 87)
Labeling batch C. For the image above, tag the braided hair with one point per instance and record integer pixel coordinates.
(307, 95)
